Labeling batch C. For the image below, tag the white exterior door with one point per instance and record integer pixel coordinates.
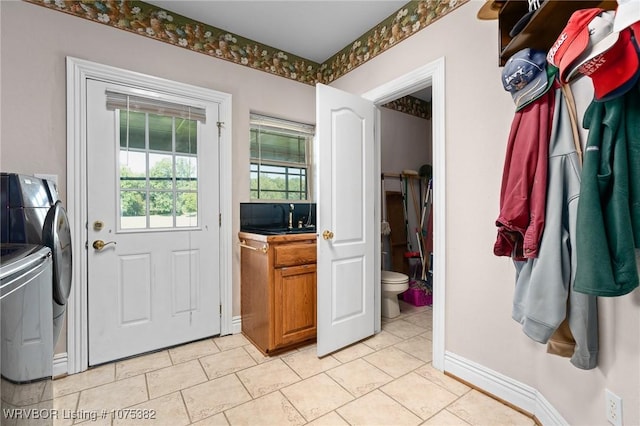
(153, 199)
(346, 205)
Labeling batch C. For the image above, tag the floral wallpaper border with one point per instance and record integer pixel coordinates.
(150, 21)
(411, 105)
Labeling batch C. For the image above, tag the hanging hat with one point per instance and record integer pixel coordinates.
(627, 14)
(573, 39)
(600, 39)
(534, 5)
(490, 9)
(525, 76)
(615, 71)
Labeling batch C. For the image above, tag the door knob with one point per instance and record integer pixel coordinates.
(327, 235)
(99, 244)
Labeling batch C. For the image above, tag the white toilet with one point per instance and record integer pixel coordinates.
(392, 283)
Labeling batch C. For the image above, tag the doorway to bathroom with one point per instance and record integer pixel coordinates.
(406, 172)
(431, 75)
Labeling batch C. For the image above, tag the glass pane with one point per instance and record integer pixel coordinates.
(160, 209)
(253, 144)
(272, 169)
(186, 136)
(294, 183)
(160, 171)
(160, 132)
(274, 146)
(273, 195)
(186, 209)
(187, 173)
(133, 170)
(133, 135)
(133, 209)
(270, 181)
(254, 181)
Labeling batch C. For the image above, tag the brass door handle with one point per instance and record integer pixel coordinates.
(99, 244)
(327, 235)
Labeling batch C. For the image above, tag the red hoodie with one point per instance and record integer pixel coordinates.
(524, 181)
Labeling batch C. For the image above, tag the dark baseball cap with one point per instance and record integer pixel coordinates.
(525, 76)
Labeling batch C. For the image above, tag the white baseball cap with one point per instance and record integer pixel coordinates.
(627, 14)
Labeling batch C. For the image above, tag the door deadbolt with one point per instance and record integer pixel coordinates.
(98, 225)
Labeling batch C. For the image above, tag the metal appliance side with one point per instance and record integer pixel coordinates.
(26, 331)
(25, 203)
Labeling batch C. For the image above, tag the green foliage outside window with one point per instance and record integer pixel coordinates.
(160, 181)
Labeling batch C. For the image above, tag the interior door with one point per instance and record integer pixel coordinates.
(153, 233)
(346, 206)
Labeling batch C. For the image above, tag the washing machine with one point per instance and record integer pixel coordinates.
(26, 326)
(32, 213)
(26, 332)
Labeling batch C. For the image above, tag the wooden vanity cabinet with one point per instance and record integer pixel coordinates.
(278, 290)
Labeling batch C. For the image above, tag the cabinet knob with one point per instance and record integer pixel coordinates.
(327, 235)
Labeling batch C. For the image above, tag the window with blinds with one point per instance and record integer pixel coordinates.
(158, 162)
(280, 158)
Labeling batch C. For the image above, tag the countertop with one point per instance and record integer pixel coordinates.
(281, 238)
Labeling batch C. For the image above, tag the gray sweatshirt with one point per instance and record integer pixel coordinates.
(544, 295)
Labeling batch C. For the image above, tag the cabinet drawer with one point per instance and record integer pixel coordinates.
(294, 254)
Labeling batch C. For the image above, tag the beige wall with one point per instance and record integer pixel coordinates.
(33, 137)
(405, 141)
(479, 286)
(34, 42)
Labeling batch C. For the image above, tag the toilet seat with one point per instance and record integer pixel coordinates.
(391, 277)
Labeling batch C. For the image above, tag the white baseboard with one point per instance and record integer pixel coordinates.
(236, 325)
(60, 364)
(520, 395)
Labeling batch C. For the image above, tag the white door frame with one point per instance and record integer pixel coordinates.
(78, 71)
(432, 74)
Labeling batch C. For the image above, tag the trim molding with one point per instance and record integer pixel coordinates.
(78, 72)
(505, 388)
(236, 325)
(60, 364)
(431, 74)
(162, 25)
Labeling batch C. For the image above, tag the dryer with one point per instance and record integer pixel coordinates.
(32, 213)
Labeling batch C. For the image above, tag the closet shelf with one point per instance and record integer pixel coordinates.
(544, 27)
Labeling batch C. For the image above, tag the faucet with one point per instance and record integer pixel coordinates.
(291, 208)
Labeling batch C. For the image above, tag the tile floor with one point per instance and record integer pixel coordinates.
(384, 380)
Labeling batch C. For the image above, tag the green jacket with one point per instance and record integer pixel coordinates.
(608, 218)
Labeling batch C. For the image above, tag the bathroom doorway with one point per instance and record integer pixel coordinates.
(429, 75)
(406, 169)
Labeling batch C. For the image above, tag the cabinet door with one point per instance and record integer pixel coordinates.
(295, 304)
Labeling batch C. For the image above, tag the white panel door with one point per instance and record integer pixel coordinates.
(153, 199)
(346, 202)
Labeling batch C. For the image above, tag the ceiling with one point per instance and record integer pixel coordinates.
(311, 29)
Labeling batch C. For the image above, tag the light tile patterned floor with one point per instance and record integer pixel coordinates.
(384, 380)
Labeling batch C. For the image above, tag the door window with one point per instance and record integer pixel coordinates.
(158, 171)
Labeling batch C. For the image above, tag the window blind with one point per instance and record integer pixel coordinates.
(272, 124)
(129, 102)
